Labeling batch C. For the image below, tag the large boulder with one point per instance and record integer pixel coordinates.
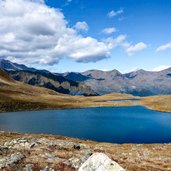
(100, 162)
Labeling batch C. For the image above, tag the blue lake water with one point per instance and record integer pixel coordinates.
(135, 124)
(124, 100)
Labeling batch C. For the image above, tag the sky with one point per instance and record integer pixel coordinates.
(79, 35)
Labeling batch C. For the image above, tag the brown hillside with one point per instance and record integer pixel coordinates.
(17, 96)
(4, 77)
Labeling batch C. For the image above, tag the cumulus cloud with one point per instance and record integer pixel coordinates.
(109, 30)
(113, 13)
(130, 49)
(32, 32)
(162, 67)
(122, 42)
(81, 26)
(164, 47)
(114, 42)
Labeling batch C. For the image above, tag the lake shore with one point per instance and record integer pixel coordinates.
(63, 153)
(15, 100)
(17, 96)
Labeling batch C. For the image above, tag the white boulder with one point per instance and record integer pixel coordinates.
(100, 162)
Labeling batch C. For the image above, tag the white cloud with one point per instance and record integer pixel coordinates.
(114, 42)
(128, 47)
(32, 32)
(109, 30)
(164, 47)
(162, 67)
(113, 13)
(83, 26)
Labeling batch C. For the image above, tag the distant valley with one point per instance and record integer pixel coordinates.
(93, 82)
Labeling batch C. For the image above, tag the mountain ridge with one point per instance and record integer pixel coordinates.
(94, 82)
(44, 78)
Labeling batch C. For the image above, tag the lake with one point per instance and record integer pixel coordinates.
(135, 124)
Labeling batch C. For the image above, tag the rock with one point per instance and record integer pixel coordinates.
(62, 144)
(28, 167)
(3, 150)
(77, 147)
(48, 156)
(76, 161)
(14, 158)
(47, 169)
(100, 162)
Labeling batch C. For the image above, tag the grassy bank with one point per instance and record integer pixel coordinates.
(19, 100)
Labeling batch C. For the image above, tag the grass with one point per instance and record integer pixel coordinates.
(17, 96)
(36, 98)
(132, 157)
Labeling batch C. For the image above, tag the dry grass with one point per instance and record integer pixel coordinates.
(160, 103)
(132, 157)
(19, 97)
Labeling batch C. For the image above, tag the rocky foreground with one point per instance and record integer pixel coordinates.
(54, 153)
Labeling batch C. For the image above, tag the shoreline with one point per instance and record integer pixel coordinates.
(60, 152)
(114, 106)
(147, 102)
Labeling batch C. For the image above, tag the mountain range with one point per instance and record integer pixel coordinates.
(93, 82)
(44, 78)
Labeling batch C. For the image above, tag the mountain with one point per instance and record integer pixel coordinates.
(74, 76)
(139, 83)
(94, 82)
(105, 82)
(18, 96)
(8, 65)
(51, 81)
(44, 78)
(15, 96)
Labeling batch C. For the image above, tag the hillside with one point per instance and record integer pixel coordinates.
(51, 81)
(44, 78)
(18, 96)
(47, 152)
(138, 83)
(94, 82)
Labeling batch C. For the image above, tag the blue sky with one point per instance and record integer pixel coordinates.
(144, 25)
(148, 21)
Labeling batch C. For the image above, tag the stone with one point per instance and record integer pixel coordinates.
(3, 150)
(100, 162)
(76, 161)
(47, 169)
(28, 167)
(14, 158)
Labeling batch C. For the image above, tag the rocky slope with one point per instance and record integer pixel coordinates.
(93, 82)
(139, 83)
(44, 78)
(51, 81)
(18, 96)
(54, 153)
(11, 66)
